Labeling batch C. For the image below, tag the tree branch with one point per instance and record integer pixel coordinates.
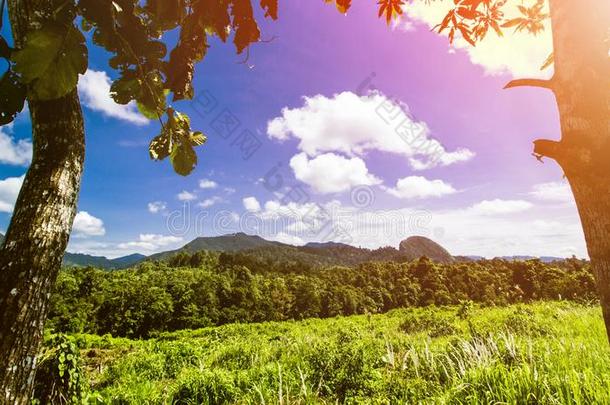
(545, 84)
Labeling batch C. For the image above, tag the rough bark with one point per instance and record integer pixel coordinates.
(40, 227)
(581, 84)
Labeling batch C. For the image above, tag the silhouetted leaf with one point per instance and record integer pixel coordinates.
(12, 97)
(5, 50)
(270, 7)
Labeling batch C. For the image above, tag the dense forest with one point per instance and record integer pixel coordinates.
(194, 290)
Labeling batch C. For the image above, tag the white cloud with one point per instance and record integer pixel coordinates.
(553, 191)
(496, 228)
(9, 190)
(420, 187)
(14, 152)
(156, 207)
(501, 207)
(94, 90)
(86, 225)
(208, 202)
(251, 204)
(151, 242)
(186, 196)
(331, 173)
(207, 184)
(353, 125)
(288, 239)
(518, 54)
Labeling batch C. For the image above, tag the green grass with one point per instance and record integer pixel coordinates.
(544, 353)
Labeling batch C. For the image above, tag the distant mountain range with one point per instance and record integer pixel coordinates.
(82, 260)
(330, 252)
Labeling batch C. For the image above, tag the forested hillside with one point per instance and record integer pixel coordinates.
(210, 288)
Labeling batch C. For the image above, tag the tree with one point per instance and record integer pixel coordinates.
(581, 85)
(49, 52)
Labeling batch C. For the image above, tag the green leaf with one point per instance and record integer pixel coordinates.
(145, 110)
(184, 159)
(51, 60)
(126, 88)
(151, 97)
(12, 97)
(198, 139)
(159, 148)
(178, 142)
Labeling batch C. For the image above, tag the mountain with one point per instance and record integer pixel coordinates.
(234, 242)
(410, 249)
(82, 260)
(417, 246)
(127, 261)
(544, 259)
(228, 243)
(326, 245)
(315, 253)
(1, 238)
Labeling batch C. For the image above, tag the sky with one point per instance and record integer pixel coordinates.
(336, 127)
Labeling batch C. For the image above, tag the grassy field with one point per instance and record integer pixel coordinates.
(544, 353)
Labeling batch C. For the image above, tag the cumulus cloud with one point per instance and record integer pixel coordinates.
(94, 91)
(353, 125)
(517, 54)
(251, 204)
(186, 196)
(209, 202)
(331, 173)
(553, 192)
(288, 239)
(9, 190)
(420, 187)
(13, 151)
(490, 228)
(207, 184)
(501, 207)
(86, 225)
(151, 242)
(156, 207)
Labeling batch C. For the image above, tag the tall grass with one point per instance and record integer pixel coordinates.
(544, 353)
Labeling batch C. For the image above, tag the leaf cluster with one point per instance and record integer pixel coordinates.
(49, 59)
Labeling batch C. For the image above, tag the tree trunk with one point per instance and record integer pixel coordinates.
(40, 227)
(582, 89)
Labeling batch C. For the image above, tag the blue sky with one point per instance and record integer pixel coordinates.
(320, 99)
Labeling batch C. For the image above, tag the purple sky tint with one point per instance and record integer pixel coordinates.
(488, 196)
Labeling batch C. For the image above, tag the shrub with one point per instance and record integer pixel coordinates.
(205, 387)
(59, 376)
